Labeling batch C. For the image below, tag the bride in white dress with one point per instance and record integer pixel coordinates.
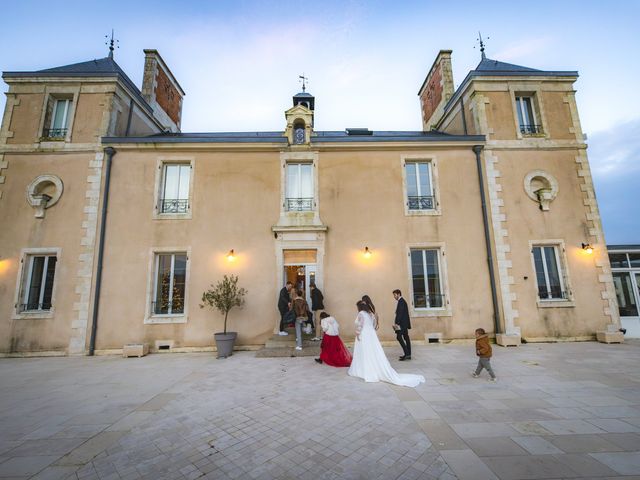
(369, 361)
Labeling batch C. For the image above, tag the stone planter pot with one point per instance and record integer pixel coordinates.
(224, 343)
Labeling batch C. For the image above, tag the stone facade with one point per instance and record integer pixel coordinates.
(301, 203)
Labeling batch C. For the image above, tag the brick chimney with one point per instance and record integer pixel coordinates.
(436, 90)
(162, 91)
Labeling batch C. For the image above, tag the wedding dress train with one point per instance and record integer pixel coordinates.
(369, 360)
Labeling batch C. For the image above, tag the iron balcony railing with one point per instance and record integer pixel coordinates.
(162, 308)
(553, 294)
(54, 133)
(421, 203)
(530, 129)
(299, 204)
(429, 300)
(34, 307)
(173, 205)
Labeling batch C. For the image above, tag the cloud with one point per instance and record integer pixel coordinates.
(614, 156)
(523, 49)
(616, 152)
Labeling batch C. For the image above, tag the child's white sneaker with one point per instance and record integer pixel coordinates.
(474, 375)
(283, 333)
(298, 348)
(494, 379)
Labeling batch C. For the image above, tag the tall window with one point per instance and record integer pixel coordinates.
(170, 283)
(299, 189)
(426, 278)
(57, 127)
(174, 195)
(626, 279)
(38, 286)
(548, 273)
(623, 282)
(419, 189)
(527, 115)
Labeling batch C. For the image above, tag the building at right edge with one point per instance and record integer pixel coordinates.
(551, 268)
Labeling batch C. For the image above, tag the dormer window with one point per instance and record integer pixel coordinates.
(299, 133)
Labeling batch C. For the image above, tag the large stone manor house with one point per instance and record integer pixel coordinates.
(113, 221)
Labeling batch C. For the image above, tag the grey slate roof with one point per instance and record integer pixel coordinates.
(489, 65)
(277, 137)
(494, 68)
(103, 67)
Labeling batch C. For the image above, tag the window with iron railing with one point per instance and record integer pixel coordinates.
(420, 195)
(57, 120)
(527, 117)
(37, 289)
(531, 129)
(299, 187)
(174, 194)
(549, 275)
(54, 133)
(426, 278)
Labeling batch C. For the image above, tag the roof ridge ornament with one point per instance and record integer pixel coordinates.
(111, 44)
(481, 42)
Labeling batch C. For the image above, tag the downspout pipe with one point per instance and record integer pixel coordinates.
(477, 149)
(109, 152)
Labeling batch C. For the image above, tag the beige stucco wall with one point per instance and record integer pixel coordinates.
(69, 227)
(25, 119)
(367, 209)
(564, 221)
(237, 201)
(88, 117)
(60, 229)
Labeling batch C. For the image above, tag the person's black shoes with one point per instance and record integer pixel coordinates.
(318, 360)
(405, 357)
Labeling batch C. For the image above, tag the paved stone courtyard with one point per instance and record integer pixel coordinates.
(557, 411)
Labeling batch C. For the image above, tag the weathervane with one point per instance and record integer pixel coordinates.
(304, 81)
(479, 39)
(111, 44)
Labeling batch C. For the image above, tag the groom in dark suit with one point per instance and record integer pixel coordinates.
(402, 325)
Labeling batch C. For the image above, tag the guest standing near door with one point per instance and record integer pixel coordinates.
(284, 304)
(317, 305)
(402, 325)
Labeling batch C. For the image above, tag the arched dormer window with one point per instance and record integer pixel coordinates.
(299, 132)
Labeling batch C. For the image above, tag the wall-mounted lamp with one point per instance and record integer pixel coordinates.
(231, 256)
(587, 248)
(367, 252)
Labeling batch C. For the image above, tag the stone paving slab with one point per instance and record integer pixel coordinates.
(557, 411)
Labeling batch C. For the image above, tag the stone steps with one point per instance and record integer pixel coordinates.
(284, 346)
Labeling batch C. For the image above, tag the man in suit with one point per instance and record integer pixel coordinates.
(284, 301)
(402, 325)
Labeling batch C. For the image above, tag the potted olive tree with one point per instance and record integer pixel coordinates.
(223, 297)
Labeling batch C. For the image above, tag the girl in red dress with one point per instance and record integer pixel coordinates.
(332, 350)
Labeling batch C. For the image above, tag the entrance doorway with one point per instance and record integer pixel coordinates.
(301, 276)
(300, 268)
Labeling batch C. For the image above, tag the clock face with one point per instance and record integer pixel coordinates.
(298, 135)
